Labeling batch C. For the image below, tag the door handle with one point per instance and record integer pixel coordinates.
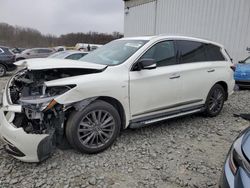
(174, 76)
(211, 70)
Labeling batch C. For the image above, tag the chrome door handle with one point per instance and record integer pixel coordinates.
(174, 76)
(211, 70)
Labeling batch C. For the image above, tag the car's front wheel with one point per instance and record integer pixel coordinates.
(93, 129)
(215, 101)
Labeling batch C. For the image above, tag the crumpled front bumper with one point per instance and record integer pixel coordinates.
(21, 145)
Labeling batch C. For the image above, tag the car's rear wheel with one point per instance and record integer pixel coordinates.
(215, 101)
(2, 70)
(93, 129)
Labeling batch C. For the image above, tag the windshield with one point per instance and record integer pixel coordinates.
(59, 55)
(247, 61)
(115, 52)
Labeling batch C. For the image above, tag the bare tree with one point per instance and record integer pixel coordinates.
(16, 36)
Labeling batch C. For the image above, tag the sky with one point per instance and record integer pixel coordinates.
(64, 16)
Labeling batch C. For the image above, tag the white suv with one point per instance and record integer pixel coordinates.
(130, 82)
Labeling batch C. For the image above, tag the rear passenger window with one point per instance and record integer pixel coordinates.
(42, 51)
(191, 51)
(163, 53)
(214, 53)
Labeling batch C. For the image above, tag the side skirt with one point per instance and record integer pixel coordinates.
(144, 121)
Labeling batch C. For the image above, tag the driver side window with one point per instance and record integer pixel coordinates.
(163, 53)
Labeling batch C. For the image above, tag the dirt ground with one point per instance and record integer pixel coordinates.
(184, 152)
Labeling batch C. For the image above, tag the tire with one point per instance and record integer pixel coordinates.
(2, 70)
(93, 129)
(215, 101)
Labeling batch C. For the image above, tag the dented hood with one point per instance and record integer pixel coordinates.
(47, 63)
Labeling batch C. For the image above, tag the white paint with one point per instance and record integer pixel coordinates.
(137, 91)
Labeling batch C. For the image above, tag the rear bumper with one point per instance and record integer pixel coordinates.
(243, 83)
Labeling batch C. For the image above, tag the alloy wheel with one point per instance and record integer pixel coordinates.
(96, 128)
(216, 100)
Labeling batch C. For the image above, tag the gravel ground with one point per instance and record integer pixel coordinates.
(184, 152)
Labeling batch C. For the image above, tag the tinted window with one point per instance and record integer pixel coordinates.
(163, 53)
(214, 53)
(191, 51)
(247, 61)
(75, 56)
(44, 51)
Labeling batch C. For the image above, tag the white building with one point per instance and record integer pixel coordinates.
(223, 21)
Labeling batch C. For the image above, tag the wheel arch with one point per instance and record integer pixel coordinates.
(114, 102)
(117, 105)
(225, 87)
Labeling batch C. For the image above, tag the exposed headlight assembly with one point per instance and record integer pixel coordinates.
(46, 101)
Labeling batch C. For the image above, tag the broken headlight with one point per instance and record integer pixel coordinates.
(45, 101)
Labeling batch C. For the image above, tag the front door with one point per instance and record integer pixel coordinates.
(156, 90)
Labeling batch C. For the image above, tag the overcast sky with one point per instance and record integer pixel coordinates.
(64, 16)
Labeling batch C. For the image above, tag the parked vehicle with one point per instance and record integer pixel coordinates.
(17, 50)
(236, 170)
(7, 58)
(130, 82)
(74, 55)
(87, 47)
(35, 53)
(60, 48)
(242, 73)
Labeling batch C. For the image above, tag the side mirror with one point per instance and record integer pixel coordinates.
(28, 53)
(147, 64)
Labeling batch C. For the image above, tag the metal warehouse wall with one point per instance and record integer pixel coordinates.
(223, 21)
(140, 20)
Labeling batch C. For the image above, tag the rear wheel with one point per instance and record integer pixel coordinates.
(93, 129)
(215, 101)
(2, 70)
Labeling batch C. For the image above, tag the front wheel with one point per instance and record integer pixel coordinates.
(93, 129)
(215, 101)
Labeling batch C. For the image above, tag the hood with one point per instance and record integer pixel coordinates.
(47, 63)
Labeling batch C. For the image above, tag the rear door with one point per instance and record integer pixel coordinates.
(198, 69)
(44, 53)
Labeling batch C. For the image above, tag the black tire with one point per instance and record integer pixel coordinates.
(215, 101)
(79, 129)
(2, 70)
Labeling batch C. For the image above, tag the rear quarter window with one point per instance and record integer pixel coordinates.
(214, 53)
(191, 51)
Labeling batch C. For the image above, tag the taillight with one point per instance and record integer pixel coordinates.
(233, 67)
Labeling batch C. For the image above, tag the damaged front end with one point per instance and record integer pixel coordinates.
(32, 121)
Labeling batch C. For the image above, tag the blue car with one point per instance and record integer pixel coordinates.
(242, 74)
(236, 170)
